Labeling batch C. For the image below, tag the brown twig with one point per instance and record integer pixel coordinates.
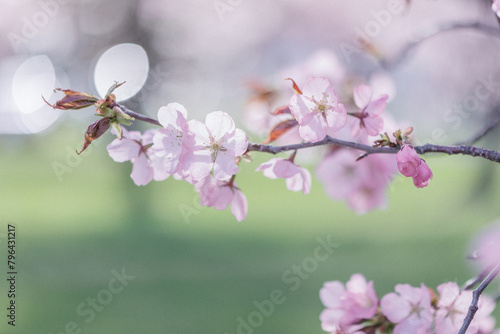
(475, 299)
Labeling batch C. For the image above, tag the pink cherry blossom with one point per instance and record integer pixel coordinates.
(297, 178)
(454, 304)
(215, 146)
(411, 165)
(369, 121)
(136, 148)
(362, 183)
(347, 306)
(220, 194)
(317, 110)
(170, 142)
(409, 308)
(487, 247)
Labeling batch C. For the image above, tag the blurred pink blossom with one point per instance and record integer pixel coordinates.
(369, 120)
(362, 183)
(487, 247)
(453, 306)
(347, 306)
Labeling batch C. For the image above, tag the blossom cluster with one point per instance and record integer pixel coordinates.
(207, 154)
(203, 154)
(356, 309)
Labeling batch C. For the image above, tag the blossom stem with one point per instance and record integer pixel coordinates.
(475, 299)
(138, 116)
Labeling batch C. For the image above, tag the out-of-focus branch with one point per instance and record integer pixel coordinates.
(403, 53)
(475, 299)
(491, 125)
(471, 283)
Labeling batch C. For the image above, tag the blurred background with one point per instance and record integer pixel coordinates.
(97, 254)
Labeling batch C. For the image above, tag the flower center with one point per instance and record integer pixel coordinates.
(322, 105)
(215, 146)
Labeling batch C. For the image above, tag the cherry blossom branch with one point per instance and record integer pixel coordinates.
(473, 151)
(403, 53)
(328, 140)
(427, 148)
(475, 299)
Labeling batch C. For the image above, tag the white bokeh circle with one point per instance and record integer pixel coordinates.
(123, 62)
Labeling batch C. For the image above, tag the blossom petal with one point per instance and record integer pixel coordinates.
(200, 164)
(362, 96)
(142, 173)
(219, 124)
(331, 293)
(316, 86)
(123, 150)
(238, 142)
(394, 307)
(201, 134)
(225, 166)
(377, 106)
(313, 127)
(239, 205)
(300, 181)
(173, 113)
(268, 168)
(285, 168)
(298, 107)
(336, 119)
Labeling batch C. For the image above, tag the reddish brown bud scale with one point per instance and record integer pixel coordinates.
(73, 100)
(282, 110)
(280, 129)
(94, 131)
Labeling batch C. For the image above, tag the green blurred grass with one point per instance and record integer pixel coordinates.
(200, 274)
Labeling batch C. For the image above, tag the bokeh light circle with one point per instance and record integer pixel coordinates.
(123, 62)
(33, 79)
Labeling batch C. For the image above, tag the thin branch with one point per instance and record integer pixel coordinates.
(403, 53)
(475, 299)
(327, 141)
(492, 125)
(138, 116)
(427, 148)
(473, 151)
